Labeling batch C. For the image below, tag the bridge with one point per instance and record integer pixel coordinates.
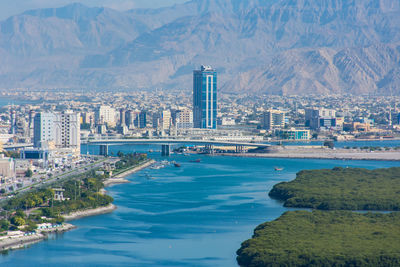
(166, 144)
(16, 146)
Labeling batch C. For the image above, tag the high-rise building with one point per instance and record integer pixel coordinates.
(61, 129)
(43, 128)
(162, 120)
(13, 120)
(130, 117)
(273, 119)
(31, 122)
(142, 120)
(205, 98)
(105, 114)
(183, 119)
(122, 118)
(67, 130)
(320, 117)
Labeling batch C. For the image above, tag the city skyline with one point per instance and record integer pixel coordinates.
(268, 154)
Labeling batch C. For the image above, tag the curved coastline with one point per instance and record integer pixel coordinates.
(89, 212)
(329, 155)
(20, 241)
(120, 178)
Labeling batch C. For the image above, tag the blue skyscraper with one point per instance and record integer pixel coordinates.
(205, 98)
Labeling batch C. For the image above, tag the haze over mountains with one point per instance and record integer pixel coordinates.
(258, 46)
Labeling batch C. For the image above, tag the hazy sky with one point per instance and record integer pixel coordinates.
(12, 7)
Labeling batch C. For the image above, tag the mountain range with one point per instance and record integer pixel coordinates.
(288, 47)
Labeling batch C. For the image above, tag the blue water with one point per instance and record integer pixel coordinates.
(196, 215)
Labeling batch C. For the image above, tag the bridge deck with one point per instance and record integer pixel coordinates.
(173, 141)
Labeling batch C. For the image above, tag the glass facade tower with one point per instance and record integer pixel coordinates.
(205, 98)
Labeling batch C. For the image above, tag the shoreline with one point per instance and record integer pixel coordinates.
(19, 241)
(328, 155)
(89, 212)
(120, 178)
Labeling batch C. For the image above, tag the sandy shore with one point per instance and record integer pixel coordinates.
(19, 241)
(89, 212)
(329, 154)
(119, 179)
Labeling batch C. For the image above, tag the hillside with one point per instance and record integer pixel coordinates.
(273, 47)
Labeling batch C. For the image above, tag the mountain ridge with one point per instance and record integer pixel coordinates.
(273, 47)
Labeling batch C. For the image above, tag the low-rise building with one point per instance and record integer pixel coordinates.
(296, 134)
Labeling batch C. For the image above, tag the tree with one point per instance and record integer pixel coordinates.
(28, 173)
(4, 225)
(329, 144)
(314, 136)
(17, 221)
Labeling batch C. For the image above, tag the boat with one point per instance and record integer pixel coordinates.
(196, 161)
(177, 165)
(278, 169)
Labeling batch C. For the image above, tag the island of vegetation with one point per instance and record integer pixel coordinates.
(342, 189)
(28, 212)
(325, 238)
(330, 235)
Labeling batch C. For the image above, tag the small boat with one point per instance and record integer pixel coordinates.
(278, 169)
(196, 161)
(177, 165)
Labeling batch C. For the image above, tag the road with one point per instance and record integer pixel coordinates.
(57, 176)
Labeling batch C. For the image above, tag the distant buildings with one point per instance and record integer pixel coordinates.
(162, 120)
(7, 167)
(296, 134)
(273, 119)
(142, 120)
(183, 119)
(205, 98)
(317, 118)
(43, 128)
(61, 130)
(105, 115)
(135, 119)
(67, 132)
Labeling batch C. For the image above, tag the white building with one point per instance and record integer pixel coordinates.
(105, 114)
(67, 131)
(7, 167)
(163, 120)
(58, 130)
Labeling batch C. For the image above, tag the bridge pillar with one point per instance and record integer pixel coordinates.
(165, 150)
(209, 149)
(104, 150)
(239, 149)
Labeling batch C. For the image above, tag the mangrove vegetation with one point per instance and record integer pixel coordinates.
(342, 189)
